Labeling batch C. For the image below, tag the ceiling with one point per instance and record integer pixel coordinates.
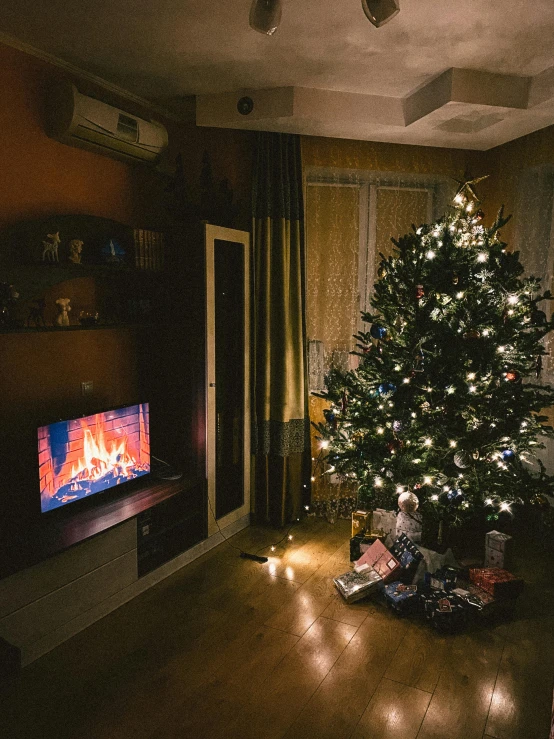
(460, 73)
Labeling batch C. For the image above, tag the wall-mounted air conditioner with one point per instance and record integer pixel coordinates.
(79, 120)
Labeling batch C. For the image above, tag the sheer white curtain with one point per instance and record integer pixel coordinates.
(351, 216)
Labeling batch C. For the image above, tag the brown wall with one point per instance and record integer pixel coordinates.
(505, 165)
(41, 373)
(382, 157)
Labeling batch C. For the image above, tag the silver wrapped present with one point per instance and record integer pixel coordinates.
(354, 585)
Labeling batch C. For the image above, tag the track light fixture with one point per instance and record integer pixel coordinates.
(265, 16)
(380, 12)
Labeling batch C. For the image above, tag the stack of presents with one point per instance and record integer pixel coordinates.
(446, 597)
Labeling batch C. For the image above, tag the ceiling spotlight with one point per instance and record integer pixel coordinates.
(379, 12)
(265, 16)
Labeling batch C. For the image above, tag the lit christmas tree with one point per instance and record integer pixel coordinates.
(445, 403)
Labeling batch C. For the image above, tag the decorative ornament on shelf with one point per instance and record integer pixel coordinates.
(408, 502)
(62, 319)
(75, 251)
(462, 459)
(50, 247)
(378, 332)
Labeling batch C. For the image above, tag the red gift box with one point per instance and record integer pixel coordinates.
(382, 561)
(497, 582)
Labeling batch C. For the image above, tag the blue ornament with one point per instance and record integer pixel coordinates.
(455, 496)
(507, 453)
(386, 388)
(378, 332)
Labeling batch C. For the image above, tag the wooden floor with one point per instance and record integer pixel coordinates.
(230, 648)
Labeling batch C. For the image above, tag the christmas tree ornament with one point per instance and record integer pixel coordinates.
(475, 454)
(473, 333)
(507, 454)
(462, 459)
(377, 331)
(512, 375)
(408, 502)
(395, 445)
(386, 388)
(397, 426)
(419, 292)
(381, 273)
(455, 496)
(540, 501)
(344, 402)
(479, 215)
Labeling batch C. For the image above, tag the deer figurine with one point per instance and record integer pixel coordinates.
(50, 247)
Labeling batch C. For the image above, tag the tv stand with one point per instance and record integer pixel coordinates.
(62, 529)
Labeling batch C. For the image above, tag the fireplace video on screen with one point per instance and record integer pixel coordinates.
(84, 456)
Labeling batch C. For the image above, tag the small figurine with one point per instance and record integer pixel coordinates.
(36, 313)
(75, 249)
(50, 248)
(62, 319)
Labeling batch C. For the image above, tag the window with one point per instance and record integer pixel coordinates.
(350, 219)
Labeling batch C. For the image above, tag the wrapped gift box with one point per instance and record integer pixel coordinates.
(499, 583)
(354, 586)
(385, 521)
(498, 549)
(361, 522)
(408, 555)
(409, 524)
(400, 597)
(361, 543)
(444, 610)
(382, 561)
(442, 579)
(479, 603)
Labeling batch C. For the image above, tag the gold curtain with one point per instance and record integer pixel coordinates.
(281, 418)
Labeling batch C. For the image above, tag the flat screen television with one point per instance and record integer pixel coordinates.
(84, 456)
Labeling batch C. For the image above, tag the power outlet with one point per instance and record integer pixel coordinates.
(87, 387)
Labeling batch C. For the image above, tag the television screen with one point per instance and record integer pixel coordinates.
(84, 456)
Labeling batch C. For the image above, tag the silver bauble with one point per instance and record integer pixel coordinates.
(408, 502)
(462, 460)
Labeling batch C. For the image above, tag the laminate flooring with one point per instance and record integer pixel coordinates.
(230, 648)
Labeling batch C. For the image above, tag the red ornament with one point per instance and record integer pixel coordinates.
(395, 445)
(512, 375)
(419, 292)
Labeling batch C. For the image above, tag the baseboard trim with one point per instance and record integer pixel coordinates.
(32, 652)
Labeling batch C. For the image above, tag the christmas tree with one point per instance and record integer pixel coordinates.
(446, 402)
